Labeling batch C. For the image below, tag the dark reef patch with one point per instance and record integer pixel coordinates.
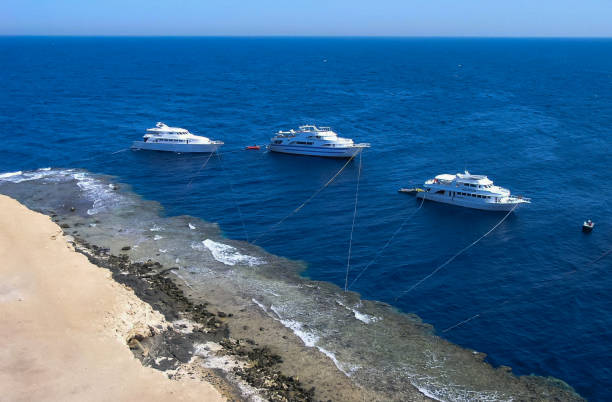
(173, 346)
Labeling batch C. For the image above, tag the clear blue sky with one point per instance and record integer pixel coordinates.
(308, 17)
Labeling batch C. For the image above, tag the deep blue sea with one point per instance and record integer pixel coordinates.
(535, 115)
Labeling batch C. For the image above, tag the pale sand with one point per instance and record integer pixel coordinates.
(64, 323)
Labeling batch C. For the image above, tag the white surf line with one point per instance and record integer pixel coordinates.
(309, 339)
(363, 317)
(305, 202)
(456, 255)
(230, 255)
(348, 259)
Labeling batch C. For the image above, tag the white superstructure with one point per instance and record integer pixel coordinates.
(175, 139)
(470, 190)
(314, 141)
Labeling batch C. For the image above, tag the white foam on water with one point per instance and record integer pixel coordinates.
(163, 250)
(439, 389)
(10, 174)
(261, 306)
(101, 195)
(363, 317)
(20, 176)
(309, 338)
(229, 255)
(191, 226)
(158, 237)
(155, 228)
(339, 365)
(427, 393)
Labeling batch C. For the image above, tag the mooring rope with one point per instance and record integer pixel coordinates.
(540, 285)
(463, 250)
(199, 170)
(348, 259)
(605, 254)
(383, 248)
(296, 210)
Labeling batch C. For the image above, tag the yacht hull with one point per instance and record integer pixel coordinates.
(182, 148)
(328, 152)
(463, 202)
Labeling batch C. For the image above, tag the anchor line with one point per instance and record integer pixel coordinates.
(601, 257)
(199, 170)
(389, 241)
(348, 259)
(538, 286)
(481, 313)
(296, 210)
(432, 273)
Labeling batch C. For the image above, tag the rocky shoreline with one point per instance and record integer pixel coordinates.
(245, 370)
(248, 322)
(171, 349)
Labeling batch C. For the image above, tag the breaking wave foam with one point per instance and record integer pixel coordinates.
(229, 255)
(307, 337)
(99, 193)
(20, 176)
(363, 317)
(102, 195)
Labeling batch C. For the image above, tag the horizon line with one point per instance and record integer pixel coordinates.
(303, 36)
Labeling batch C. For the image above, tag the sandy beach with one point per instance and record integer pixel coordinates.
(65, 324)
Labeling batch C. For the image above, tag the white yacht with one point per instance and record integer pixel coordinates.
(314, 141)
(174, 139)
(470, 190)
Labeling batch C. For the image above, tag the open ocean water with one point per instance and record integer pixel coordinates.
(533, 114)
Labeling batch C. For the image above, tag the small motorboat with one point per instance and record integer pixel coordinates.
(252, 147)
(587, 227)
